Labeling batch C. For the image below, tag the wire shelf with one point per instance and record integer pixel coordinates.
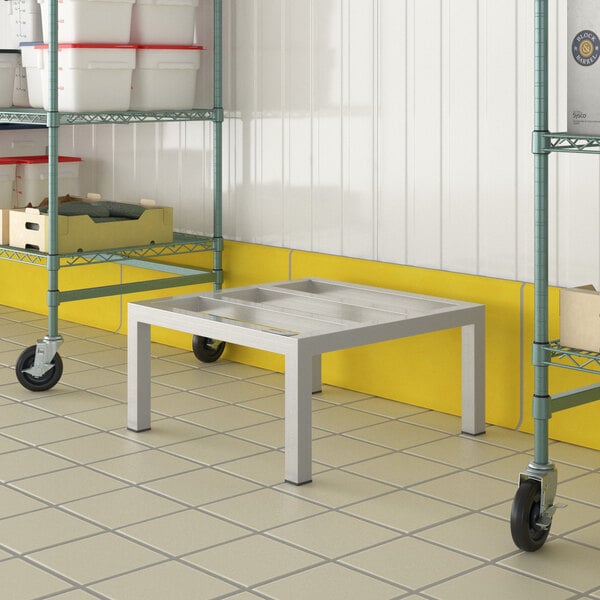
(573, 358)
(565, 142)
(182, 243)
(35, 116)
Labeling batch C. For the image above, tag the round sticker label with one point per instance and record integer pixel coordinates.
(586, 48)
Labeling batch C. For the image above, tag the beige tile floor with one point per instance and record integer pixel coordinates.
(402, 506)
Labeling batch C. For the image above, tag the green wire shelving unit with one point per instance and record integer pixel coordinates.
(534, 504)
(39, 367)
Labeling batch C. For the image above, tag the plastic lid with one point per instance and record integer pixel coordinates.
(169, 47)
(41, 159)
(31, 43)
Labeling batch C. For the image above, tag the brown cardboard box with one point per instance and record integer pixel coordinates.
(580, 318)
(4, 226)
(29, 229)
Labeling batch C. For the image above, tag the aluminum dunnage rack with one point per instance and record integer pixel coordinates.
(533, 506)
(40, 367)
(303, 319)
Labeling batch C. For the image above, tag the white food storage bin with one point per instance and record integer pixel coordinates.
(7, 182)
(20, 94)
(32, 58)
(163, 22)
(164, 77)
(90, 21)
(25, 20)
(31, 176)
(8, 65)
(91, 77)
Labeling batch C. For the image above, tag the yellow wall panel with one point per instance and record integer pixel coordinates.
(423, 370)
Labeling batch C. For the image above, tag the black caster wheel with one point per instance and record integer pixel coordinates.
(207, 350)
(524, 516)
(37, 384)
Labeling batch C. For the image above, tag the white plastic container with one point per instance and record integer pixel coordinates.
(32, 178)
(8, 64)
(91, 77)
(163, 22)
(32, 59)
(90, 21)
(165, 77)
(20, 94)
(25, 21)
(7, 182)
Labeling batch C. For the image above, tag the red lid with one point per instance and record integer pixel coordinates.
(42, 159)
(170, 47)
(64, 46)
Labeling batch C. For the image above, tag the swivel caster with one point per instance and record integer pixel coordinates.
(38, 380)
(207, 350)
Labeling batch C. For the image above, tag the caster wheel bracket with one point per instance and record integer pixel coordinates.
(45, 351)
(547, 478)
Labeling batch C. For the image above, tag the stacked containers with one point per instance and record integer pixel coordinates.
(97, 61)
(166, 62)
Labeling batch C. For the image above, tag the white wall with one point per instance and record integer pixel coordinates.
(393, 130)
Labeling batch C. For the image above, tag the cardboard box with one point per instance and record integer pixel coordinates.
(583, 67)
(29, 230)
(580, 318)
(4, 226)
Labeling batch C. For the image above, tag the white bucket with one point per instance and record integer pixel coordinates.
(92, 77)
(32, 178)
(163, 22)
(9, 60)
(25, 21)
(7, 182)
(164, 77)
(90, 21)
(32, 58)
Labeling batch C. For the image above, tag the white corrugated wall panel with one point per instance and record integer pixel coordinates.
(394, 130)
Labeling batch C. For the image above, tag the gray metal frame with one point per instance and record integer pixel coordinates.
(53, 261)
(303, 319)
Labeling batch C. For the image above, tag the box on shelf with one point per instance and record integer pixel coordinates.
(80, 233)
(32, 59)
(163, 22)
(32, 178)
(25, 20)
(91, 77)
(4, 226)
(580, 318)
(583, 67)
(8, 64)
(90, 21)
(165, 77)
(8, 167)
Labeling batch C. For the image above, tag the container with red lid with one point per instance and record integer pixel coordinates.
(91, 77)
(8, 167)
(164, 77)
(31, 176)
